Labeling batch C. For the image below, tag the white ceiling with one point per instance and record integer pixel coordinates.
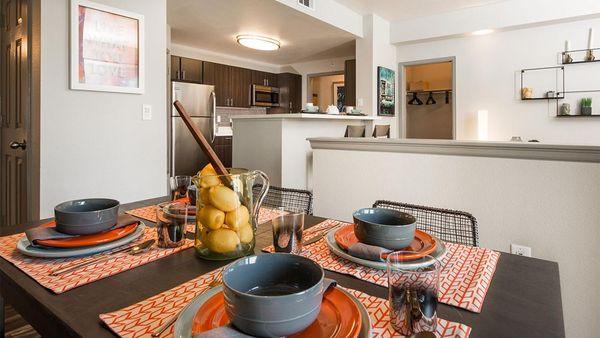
(396, 10)
(214, 24)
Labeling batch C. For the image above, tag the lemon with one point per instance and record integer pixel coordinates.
(211, 217)
(223, 198)
(245, 233)
(222, 241)
(208, 177)
(237, 217)
(204, 196)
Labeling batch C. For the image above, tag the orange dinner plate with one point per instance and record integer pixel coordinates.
(87, 240)
(422, 245)
(339, 316)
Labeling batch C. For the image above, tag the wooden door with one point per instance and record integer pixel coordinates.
(350, 83)
(239, 86)
(218, 75)
(191, 70)
(175, 67)
(15, 112)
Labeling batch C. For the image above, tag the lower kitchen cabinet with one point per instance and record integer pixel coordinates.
(223, 146)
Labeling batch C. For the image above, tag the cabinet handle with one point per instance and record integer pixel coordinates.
(183, 73)
(232, 102)
(177, 75)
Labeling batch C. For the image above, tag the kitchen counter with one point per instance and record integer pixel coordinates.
(307, 116)
(277, 144)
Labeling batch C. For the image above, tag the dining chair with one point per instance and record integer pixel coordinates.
(381, 131)
(355, 131)
(293, 199)
(448, 225)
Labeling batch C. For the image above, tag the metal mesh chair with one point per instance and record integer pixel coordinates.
(294, 199)
(449, 225)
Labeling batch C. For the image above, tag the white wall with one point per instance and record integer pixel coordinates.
(373, 50)
(487, 77)
(95, 144)
(550, 206)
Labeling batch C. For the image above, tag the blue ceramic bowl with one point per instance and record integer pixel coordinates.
(273, 295)
(386, 228)
(86, 216)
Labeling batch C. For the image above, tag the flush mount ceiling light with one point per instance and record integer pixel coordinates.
(483, 31)
(258, 42)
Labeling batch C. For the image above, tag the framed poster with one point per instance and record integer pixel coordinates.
(338, 95)
(386, 92)
(107, 48)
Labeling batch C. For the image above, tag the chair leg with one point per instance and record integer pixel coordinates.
(2, 319)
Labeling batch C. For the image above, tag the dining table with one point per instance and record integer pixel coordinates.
(524, 298)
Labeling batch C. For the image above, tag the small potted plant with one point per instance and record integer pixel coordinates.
(586, 106)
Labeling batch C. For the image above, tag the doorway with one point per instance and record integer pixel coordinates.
(19, 111)
(428, 92)
(326, 89)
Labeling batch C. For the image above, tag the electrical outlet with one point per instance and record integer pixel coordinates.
(146, 112)
(520, 250)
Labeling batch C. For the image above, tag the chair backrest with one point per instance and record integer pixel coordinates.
(448, 225)
(355, 131)
(293, 199)
(381, 130)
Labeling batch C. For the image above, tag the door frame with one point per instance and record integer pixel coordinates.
(32, 122)
(402, 84)
(309, 76)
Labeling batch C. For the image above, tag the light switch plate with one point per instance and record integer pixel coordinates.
(359, 102)
(146, 112)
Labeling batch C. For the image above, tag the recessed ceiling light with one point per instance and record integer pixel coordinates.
(258, 42)
(483, 31)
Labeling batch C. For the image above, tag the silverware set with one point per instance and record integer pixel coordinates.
(133, 249)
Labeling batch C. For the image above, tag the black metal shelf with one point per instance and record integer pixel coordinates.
(541, 98)
(578, 51)
(593, 115)
(557, 97)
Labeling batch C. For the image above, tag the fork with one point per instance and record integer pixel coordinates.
(216, 281)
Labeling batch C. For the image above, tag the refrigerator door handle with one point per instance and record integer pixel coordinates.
(213, 116)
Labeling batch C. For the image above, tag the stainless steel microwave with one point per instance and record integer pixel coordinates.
(265, 96)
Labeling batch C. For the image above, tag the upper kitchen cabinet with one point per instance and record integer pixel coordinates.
(350, 83)
(264, 78)
(290, 93)
(232, 84)
(186, 69)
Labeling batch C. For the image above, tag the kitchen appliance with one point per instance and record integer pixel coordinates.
(265, 96)
(187, 158)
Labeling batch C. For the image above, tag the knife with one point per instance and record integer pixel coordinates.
(318, 237)
(133, 249)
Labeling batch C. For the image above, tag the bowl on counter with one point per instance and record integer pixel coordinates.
(385, 228)
(86, 216)
(273, 295)
(356, 111)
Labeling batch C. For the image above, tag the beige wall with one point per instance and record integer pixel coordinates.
(323, 87)
(95, 144)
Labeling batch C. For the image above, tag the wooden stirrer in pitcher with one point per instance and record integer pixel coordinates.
(204, 144)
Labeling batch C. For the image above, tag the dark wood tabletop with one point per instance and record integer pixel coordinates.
(523, 300)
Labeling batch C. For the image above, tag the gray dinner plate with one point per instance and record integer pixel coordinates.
(25, 247)
(183, 326)
(438, 253)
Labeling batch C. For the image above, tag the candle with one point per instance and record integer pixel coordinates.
(590, 38)
(482, 125)
(567, 45)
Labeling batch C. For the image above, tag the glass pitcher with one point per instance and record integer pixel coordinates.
(227, 212)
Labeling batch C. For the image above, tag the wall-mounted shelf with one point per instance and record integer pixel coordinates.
(564, 116)
(595, 51)
(542, 98)
(560, 74)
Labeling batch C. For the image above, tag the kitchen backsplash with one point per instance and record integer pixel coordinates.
(226, 113)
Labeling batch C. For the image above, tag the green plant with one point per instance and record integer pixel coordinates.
(586, 102)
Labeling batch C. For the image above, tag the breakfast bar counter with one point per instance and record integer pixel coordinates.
(523, 298)
(277, 143)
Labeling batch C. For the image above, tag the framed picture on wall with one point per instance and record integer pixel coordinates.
(107, 48)
(338, 94)
(386, 92)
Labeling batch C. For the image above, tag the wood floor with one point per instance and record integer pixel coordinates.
(16, 326)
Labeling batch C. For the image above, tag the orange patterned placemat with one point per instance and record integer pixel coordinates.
(143, 318)
(465, 278)
(149, 213)
(39, 268)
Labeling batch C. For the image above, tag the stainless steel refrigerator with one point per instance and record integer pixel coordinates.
(200, 102)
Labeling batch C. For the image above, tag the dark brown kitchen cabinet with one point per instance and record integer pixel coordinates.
(350, 83)
(239, 86)
(186, 69)
(264, 78)
(290, 94)
(232, 84)
(224, 148)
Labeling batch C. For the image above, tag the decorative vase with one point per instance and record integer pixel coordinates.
(589, 57)
(565, 109)
(586, 110)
